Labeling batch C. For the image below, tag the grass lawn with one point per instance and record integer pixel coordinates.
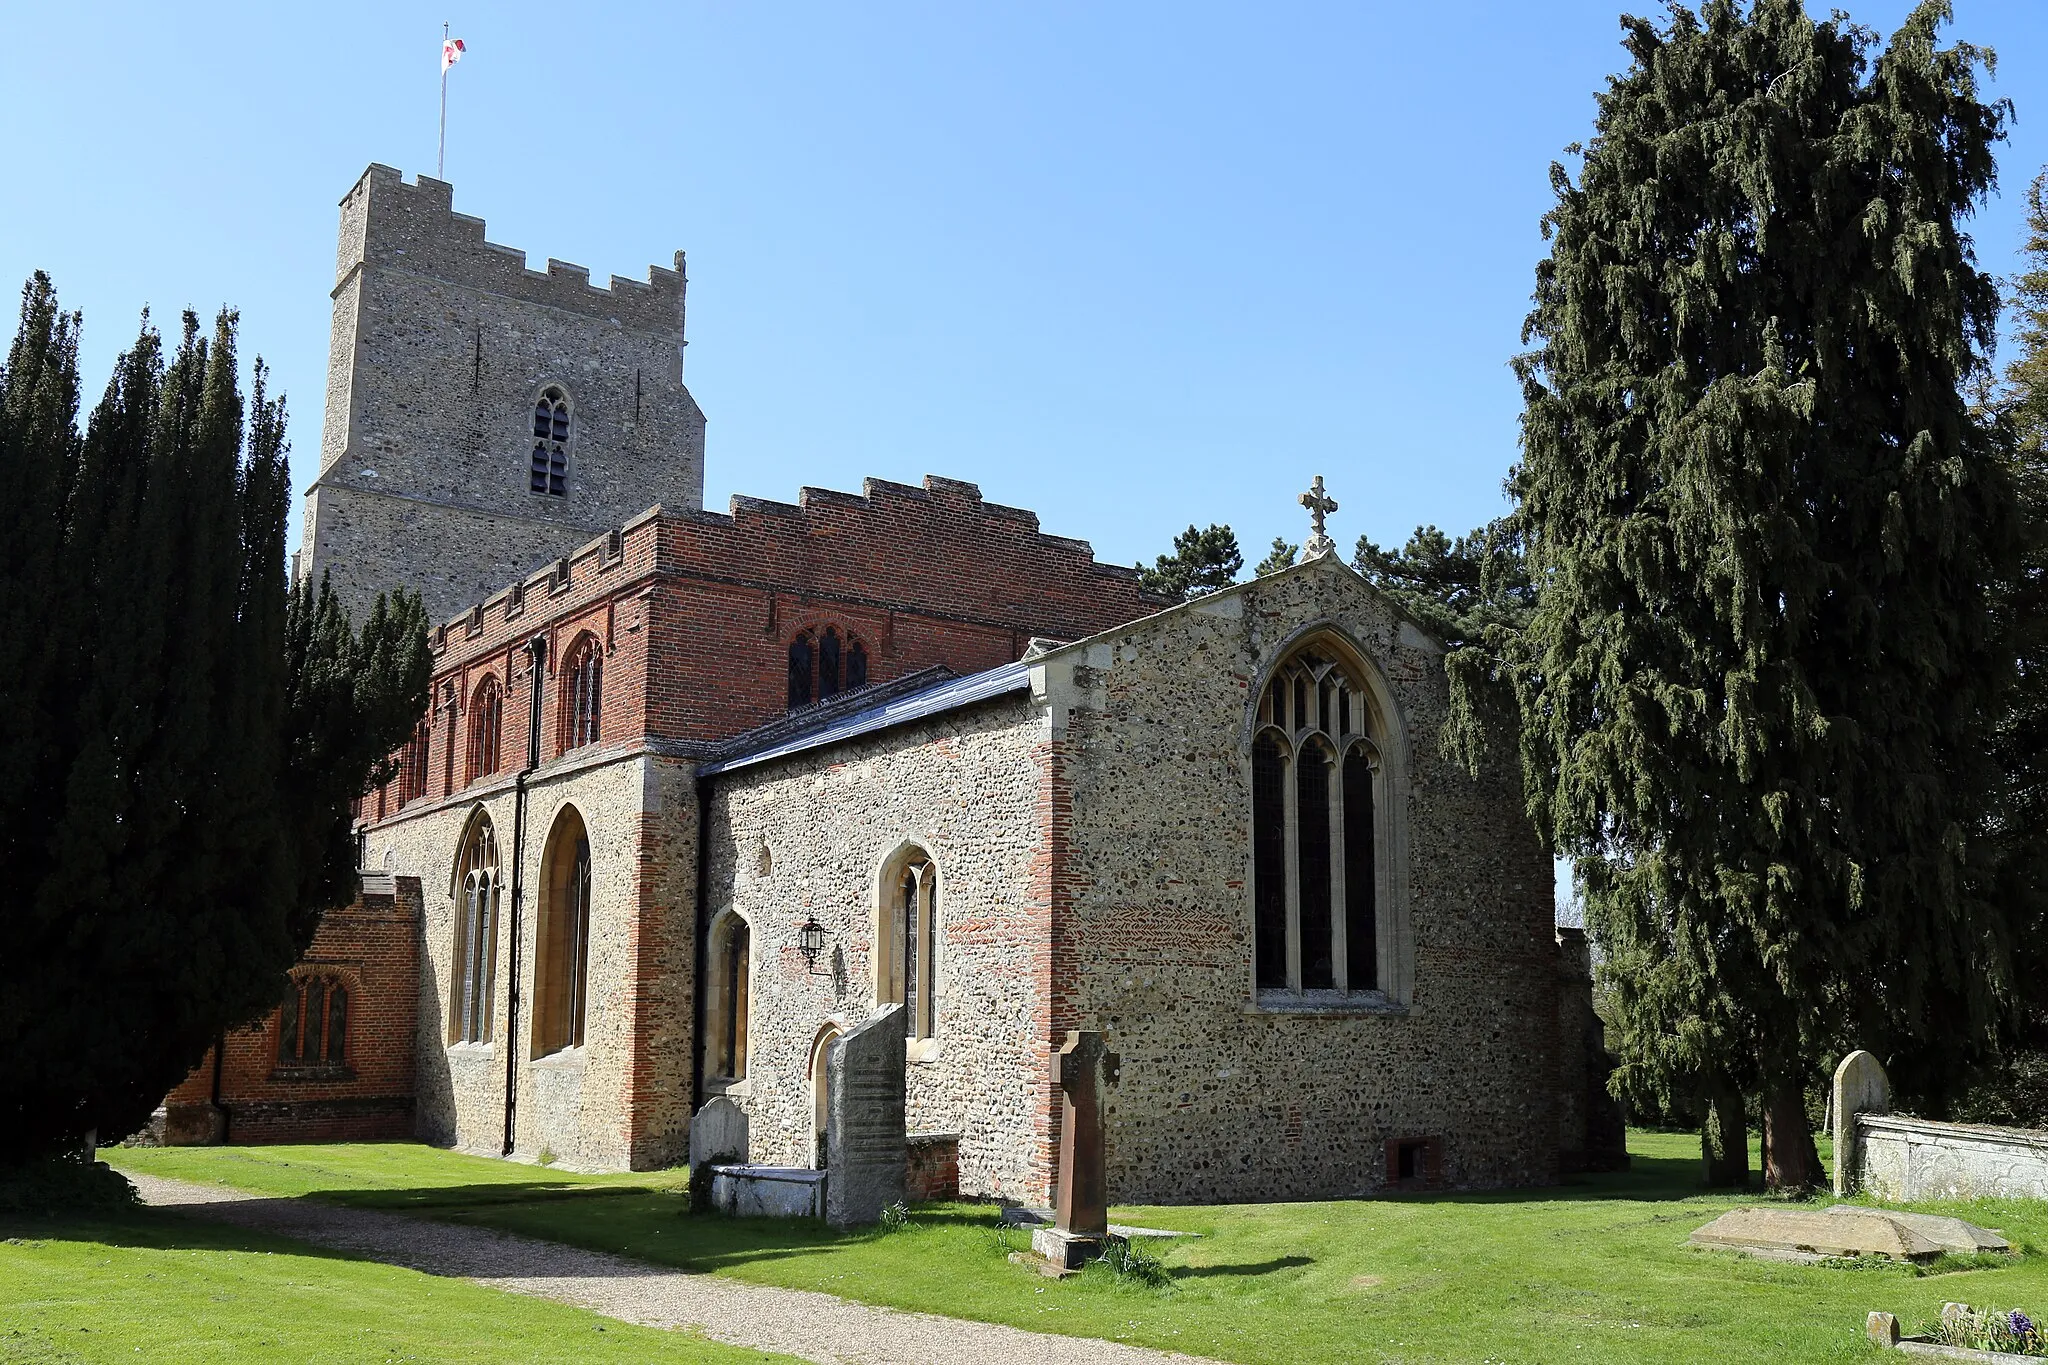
(1595, 1271)
(152, 1286)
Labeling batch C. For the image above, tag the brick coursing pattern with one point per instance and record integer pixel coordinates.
(372, 945)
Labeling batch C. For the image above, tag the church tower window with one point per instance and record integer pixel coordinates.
(583, 705)
(486, 714)
(476, 936)
(1316, 790)
(822, 663)
(549, 472)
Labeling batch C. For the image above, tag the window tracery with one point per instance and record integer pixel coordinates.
(908, 970)
(549, 470)
(312, 1024)
(486, 714)
(562, 973)
(1317, 786)
(583, 700)
(823, 663)
(477, 894)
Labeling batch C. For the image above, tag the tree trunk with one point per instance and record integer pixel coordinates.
(1724, 1139)
(1791, 1162)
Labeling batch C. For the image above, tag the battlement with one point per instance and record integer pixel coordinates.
(390, 222)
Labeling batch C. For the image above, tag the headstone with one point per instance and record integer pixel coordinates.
(1860, 1088)
(1081, 1070)
(1796, 1234)
(1882, 1328)
(866, 1149)
(718, 1136)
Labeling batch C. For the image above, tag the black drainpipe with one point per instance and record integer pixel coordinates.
(537, 651)
(220, 1047)
(703, 941)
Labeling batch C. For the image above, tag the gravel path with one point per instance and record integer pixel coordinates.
(798, 1322)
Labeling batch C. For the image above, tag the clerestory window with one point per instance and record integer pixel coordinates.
(825, 662)
(486, 713)
(583, 699)
(549, 472)
(1317, 785)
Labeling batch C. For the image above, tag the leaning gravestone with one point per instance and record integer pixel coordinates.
(718, 1136)
(867, 1155)
(1860, 1088)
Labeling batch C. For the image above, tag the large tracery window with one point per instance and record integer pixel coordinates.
(486, 711)
(908, 970)
(477, 891)
(562, 974)
(549, 472)
(1316, 785)
(583, 700)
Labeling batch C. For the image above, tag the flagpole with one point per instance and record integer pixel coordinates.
(441, 148)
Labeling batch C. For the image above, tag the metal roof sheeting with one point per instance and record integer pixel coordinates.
(950, 695)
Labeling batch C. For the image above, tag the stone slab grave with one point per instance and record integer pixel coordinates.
(767, 1191)
(1081, 1212)
(867, 1150)
(1845, 1230)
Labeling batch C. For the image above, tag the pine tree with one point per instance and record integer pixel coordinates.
(1759, 683)
(1281, 556)
(168, 859)
(1202, 561)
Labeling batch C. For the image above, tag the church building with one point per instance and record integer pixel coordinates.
(698, 792)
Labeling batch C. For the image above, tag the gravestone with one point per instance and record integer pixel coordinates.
(1081, 1070)
(718, 1136)
(1796, 1234)
(1860, 1088)
(866, 1148)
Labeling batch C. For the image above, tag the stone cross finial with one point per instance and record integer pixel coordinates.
(1080, 1070)
(1319, 505)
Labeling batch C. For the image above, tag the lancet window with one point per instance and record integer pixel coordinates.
(486, 714)
(562, 974)
(908, 972)
(477, 893)
(583, 702)
(732, 950)
(1317, 787)
(549, 472)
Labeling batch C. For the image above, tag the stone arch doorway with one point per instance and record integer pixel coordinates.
(821, 1092)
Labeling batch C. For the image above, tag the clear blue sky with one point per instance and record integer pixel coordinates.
(1131, 265)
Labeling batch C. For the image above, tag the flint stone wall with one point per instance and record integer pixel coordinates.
(1223, 1094)
(808, 836)
(1905, 1159)
(621, 1101)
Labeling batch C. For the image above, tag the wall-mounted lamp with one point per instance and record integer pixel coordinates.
(810, 940)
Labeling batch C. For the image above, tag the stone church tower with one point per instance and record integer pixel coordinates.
(484, 419)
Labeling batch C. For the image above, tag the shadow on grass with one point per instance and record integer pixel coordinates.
(1199, 1272)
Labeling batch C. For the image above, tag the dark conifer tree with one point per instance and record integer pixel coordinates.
(169, 848)
(1202, 561)
(1759, 686)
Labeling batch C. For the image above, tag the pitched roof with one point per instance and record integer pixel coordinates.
(776, 741)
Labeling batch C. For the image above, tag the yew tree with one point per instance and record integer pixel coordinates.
(1762, 679)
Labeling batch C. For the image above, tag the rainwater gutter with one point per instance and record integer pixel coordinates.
(537, 653)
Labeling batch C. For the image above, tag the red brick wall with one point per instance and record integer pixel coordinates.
(697, 609)
(372, 945)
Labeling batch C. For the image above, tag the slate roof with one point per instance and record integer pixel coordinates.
(775, 740)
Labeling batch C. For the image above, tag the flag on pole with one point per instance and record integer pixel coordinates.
(451, 53)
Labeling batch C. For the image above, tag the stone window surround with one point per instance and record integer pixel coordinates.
(551, 391)
(1389, 730)
(561, 960)
(883, 961)
(483, 1020)
(719, 942)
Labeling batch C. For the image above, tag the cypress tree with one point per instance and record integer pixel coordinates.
(169, 846)
(1760, 682)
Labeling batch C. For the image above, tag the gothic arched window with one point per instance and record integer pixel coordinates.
(732, 948)
(412, 766)
(486, 712)
(1316, 784)
(907, 973)
(549, 472)
(477, 890)
(825, 662)
(583, 699)
(562, 973)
